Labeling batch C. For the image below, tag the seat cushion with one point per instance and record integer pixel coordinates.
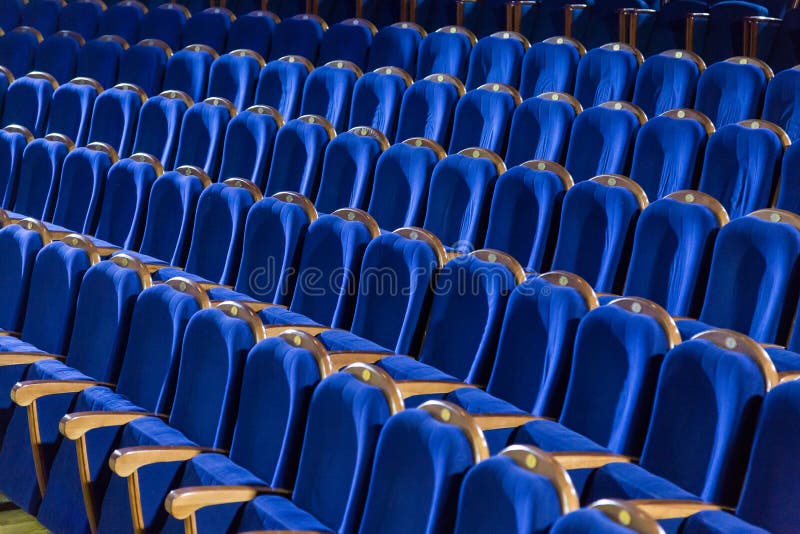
(784, 360)
(407, 368)
(691, 327)
(278, 315)
(271, 512)
(717, 522)
(629, 481)
(551, 436)
(344, 340)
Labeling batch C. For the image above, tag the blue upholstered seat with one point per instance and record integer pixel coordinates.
(71, 109)
(203, 133)
(550, 66)
(607, 73)
(164, 22)
(601, 518)
(781, 102)
(19, 246)
(123, 19)
(41, 15)
(299, 35)
(187, 71)
(58, 54)
(428, 107)
(208, 27)
(540, 128)
(723, 35)
(600, 24)
(99, 58)
(18, 50)
(27, 102)
(328, 91)
(42, 160)
(233, 76)
(160, 121)
(396, 46)
(249, 140)
(115, 117)
(280, 85)
(497, 58)
(732, 90)
(667, 81)
(81, 17)
(10, 14)
(252, 31)
(665, 29)
(144, 64)
(781, 56)
(348, 40)
(482, 118)
(376, 100)
(13, 140)
(301, 144)
(445, 51)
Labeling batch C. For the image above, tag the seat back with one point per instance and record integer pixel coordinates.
(249, 140)
(143, 65)
(42, 160)
(427, 109)
(82, 17)
(253, 31)
(41, 15)
(299, 35)
(328, 91)
(208, 27)
(667, 81)
(497, 58)
(165, 23)
(607, 73)
(115, 117)
(58, 53)
(445, 51)
(723, 36)
(376, 100)
(19, 247)
(99, 59)
(781, 56)
(123, 19)
(203, 133)
(550, 66)
(482, 118)
(187, 71)
(10, 14)
(160, 120)
(540, 128)
(781, 102)
(732, 90)
(280, 85)
(71, 109)
(233, 76)
(396, 46)
(18, 49)
(348, 40)
(13, 140)
(27, 102)
(789, 180)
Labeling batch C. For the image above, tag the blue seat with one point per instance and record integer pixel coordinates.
(607, 73)
(42, 160)
(123, 19)
(602, 140)
(606, 517)
(18, 49)
(741, 165)
(299, 35)
(208, 27)
(780, 55)
(160, 120)
(328, 91)
(732, 90)
(13, 140)
(347, 169)
(787, 198)
(400, 184)
(665, 29)
(165, 23)
(672, 250)
(428, 107)
(280, 85)
(249, 139)
(144, 64)
(781, 102)
(252, 31)
(6, 79)
(41, 15)
(301, 143)
(71, 109)
(203, 133)
(723, 35)
(115, 117)
(10, 14)
(540, 128)
(667, 81)
(482, 118)
(27, 102)
(99, 59)
(82, 16)
(525, 211)
(19, 245)
(497, 58)
(460, 196)
(597, 223)
(348, 40)
(233, 76)
(187, 71)
(550, 66)
(376, 99)
(445, 51)
(396, 46)
(58, 54)
(601, 22)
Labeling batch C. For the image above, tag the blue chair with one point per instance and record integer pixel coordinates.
(723, 35)
(252, 31)
(665, 29)
(299, 35)
(187, 71)
(234, 75)
(781, 102)
(328, 91)
(18, 49)
(82, 17)
(27, 102)
(71, 109)
(99, 59)
(445, 51)
(482, 118)
(203, 133)
(667, 81)
(787, 198)
(550, 66)
(13, 140)
(123, 19)
(348, 40)
(606, 517)
(607, 73)
(144, 64)
(540, 21)
(58, 54)
(160, 120)
(19, 246)
(540, 128)
(497, 58)
(396, 46)
(6, 79)
(280, 85)
(42, 160)
(601, 23)
(208, 27)
(249, 139)
(10, 14)
(428, 107)
(780, 56)
(41, 15)
(115, 117)
(732, 90)
(376, 100)
(164, 23)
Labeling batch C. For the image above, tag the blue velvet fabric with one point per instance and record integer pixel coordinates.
(58, 55)
(481, 119)
(159, 124)
(400, 185)
(234, 77)
(327, 92)
(27, 102)
(80, 17)
(667, 156)
(671, 255)
(143, 65)
(12, 145)
(741, 168)
(723, 33)
(83, 180)
(271, 249)
(99, 60)
(540, 129)
(427, 111)
(10, 13)
(17, 52)
(782, 102)
(299, 35)
(301, 146)
(70, 111)
(458, 203)
(41, 15)
(122, 20)
(549, 67)
(347, 172)
(444, 53)
(187, 71)
(523, 220)
(202, 136)
(588, 521)
(170, 216)
(165, 23)
(348, 41)
(376, 102)
(605, 75)
(419, 465)
(601, 142)
(18, 248)
(38, 178)
(280, 85)
(114, 119)
(665, 82)
(209, 27)
(252, 31)
(595, 234)
(495, 59)
(730, 92)
(788, 199)
(395, 46)
(247, 152)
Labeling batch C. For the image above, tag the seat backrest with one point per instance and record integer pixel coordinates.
(82, 16)
(19, 247)
(667, 81)
(525, 211)
(789, 181)
(482, 118)
(80, 189)
(742, 165)
(348, 40)
(550, 66)
(596, 231)
(249, 140)
(143, 65)
(732, 90)
(39, 176)
(41, 15)
(445, 51)
(208, 27)
(280, 85)
(123, 19)
(203, 134)
(666, 29)
(27, 102)
(10, 13)
(18, 49)
(187, 71)
(160, 120)
(99, 59)
(607, 73)
(299, 35)
(396, 46)
(328, 91)
(600, 24)
(376, 99)
(540, 128)
(427, 109)
(115, 117)
(723, 36)
(781, 103)
(497, 58)
(602, 140)
(252, 31)
(165, 23)
(71, 109)
(58, 54)
(672, 251)
(781, 56)
(233, 76)
(13, 140)
(347, 169)
(400, 185)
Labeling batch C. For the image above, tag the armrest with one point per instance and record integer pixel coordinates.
(409, 388)
(343, 358)
(125, 462)
(690, 18)
(205, 286)
(27, 392)
(75, 425)
(588, 460)
(184, 502)
(494, 421)
(671, 509)
(788, 376)
(766, 20)
(278, 329)
(569, 11)
(153, 267)
(9, 333)
(25, 358)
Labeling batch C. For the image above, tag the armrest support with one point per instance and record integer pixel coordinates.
(569, 14)
(343, 358)
(278, 329)
(27, 392)
(409, 388)
(495, 421)
(75, 425)
(25, 358)
(690, 18)
(670, 509)
(125, 462)
(588, 460)
(184, 502)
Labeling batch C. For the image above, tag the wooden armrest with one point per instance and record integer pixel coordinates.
(692, 16)
(343, 358)
(604, 294)
(771, 346)
(26, 393)
(767, 20)
(643, 11)
(182, 503)
(671, 509)
(10, 333)
(125, 462)
(75, 425)
(788, 376)
(153, 267)
(108, 251)
(205, 286)
(409, 388)
(278, 329)
(494, 421)
(26, 358)
(253, 305)
(588, 460)
(677, 318)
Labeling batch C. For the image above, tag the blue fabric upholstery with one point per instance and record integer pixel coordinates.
(122, 20)
(247, 152)
(495, 59)
(27, 102)
(400, 185)
(252, 31)
(595, 234)
(41, 15)
(57, 55)
(376, 101)
(605, 74)
(327, 92)
(789, 180)
(234, 77)
(349, 41)
(459, 200)
(588, 521)
(12, 145)
(665, 82)
(280, 85)
(481, 119)
(70, 111)
(81, 17)
(395, 46)
(209, 27)
(99, 59)
(18, 248)
(143, 64)
(782, 102)
(163, 22)
(600, 24)
(347, 171)
(301, 145)
(444, 53)
(601, 142)
(83, 180)
(549, 66)
(540, 129)
(723, 33)
(159, 124)
(187, 71)
(427, 111)
(668, 155)
(10, 13)
(741, 167)
(729, 92)
(17, 51)
(114, 119)
(42, 160)
(300, 35)
(523, 220)
(202, 136)
(781, 56)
